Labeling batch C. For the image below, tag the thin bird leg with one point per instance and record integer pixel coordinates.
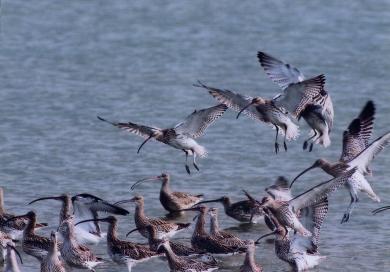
(347, 214)
(305, 143)
(193, 160)
(312, 143)
(276, 140)
(284, 141)
(187, 167)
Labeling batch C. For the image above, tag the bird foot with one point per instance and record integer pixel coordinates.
(188, 169)
(196, 166)
(304, 145)
(276, 148)
(285, 146)
(311, 147)
(345, 218)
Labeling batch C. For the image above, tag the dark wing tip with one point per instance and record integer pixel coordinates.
(355, 126)
(368, 110)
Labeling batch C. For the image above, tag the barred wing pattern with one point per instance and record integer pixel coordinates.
(356, 137)
(320, 191)
(196, 123)
(140, 130)
(234, 101)
(298, 95)
(279, 72)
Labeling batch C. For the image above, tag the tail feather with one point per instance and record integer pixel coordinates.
(324, 140)
(200, 151)
(292, 131)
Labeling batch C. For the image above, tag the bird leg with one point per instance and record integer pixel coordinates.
(193, 160)
(305, 143)
(284, 141)
(347, 214)
(276, 140)
(187, 167)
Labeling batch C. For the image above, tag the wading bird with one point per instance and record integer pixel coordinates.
(250, 264)
(318, 113)
(357, 152)
(172, 201)
(52, 262)
(123, 252)
(292, 248)
(164, 228)
(183, 135)
(183, 264)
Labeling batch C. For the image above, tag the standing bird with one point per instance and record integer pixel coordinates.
(52, 262)
(84, 206)
(172, 201)
(290, 248)
(357, 152)
(183, 135)
(74, 254)
(318, 113)
(182, 264)
(122, 252)
(13, 228)
(241, 211)
(250, 264)
(32, 244)
(268, 111)
(315, 198)
(164, 228)
(11, 264)
(201, 240)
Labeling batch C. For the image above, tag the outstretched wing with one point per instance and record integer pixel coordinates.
(234, 101)
(140, 130)
(279, 72)
(356, 137)
(196, 123)
(298, 95)
(363, 160)
(320, 191)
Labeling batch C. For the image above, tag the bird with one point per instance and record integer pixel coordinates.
(182, 136)
(357, 152)
(250, 264)
(267, 110)
(164, 228)
(318, 113)
(183, 264)
(83, 206)
(290, 248)
(11, 263)
(241, 211)
(280, 190)
(203, 241)
(32, 244)
(123, 252)
(172, 201)
(14, 228)
(75, 254)
(286, 211)
(52, 262)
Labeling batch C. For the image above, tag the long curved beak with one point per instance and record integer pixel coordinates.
(142, 180)
(124, 201)
(45, 198)
(92, 220)
(133, 230)
(17, 252)
(265, 235)
(208, 201)
(144, 142)
(244, 108)
(381, 209)
(300, 174)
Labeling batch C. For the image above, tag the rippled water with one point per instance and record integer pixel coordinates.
(64, 62)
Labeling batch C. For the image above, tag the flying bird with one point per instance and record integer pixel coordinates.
(357, 152)
(268, 110)
(318, 113)
(182, 136)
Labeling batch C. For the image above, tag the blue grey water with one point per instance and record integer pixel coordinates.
(64, 62)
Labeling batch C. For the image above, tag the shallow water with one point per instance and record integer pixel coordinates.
(64, 62)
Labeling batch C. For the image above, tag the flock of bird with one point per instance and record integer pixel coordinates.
(294, 221)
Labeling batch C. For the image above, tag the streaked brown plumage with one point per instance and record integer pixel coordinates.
(52, 262)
